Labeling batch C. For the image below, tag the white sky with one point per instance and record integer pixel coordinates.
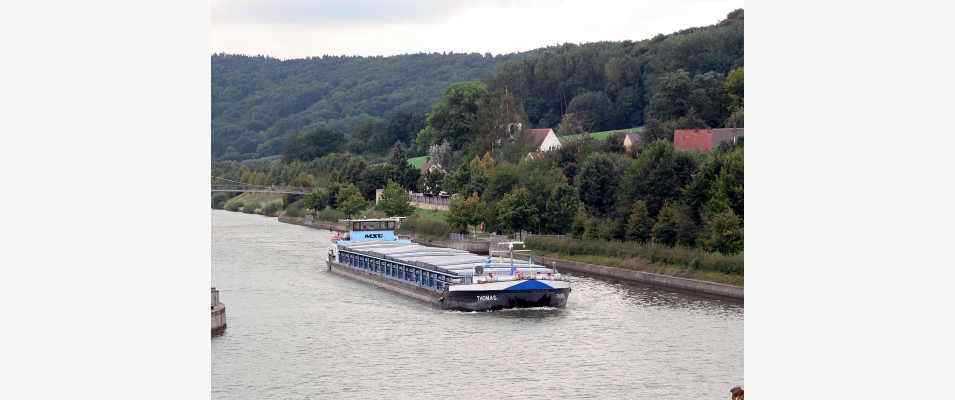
(303, 28)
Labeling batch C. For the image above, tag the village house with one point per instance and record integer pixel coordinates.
(704, 139)
(542, 140)
(631, 140)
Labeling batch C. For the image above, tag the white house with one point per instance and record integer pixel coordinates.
(543, 139)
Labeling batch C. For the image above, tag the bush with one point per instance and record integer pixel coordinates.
(219, 200)
(295, 209)
(234, 206)
(272, 209)
(250, 208)
(682, 256)
(330, 214)
(424, 226)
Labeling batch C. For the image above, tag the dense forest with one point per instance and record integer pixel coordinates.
(259, 103)
(475, 132)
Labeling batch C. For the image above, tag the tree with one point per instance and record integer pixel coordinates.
(592, 110)
(465, 211)
(431, 181)
(317, 200)
(395, 201)
(454, 118)
(597, 182)
(501, 180)
(403, 173)
(312, 144)
(708, 98)
(639, 225)
(559, 212)
(514, 213)
(369, 135)
(674, 226)
(350, 200)
(734, 90)
(656, 176)
(730, 180)
(723, 233)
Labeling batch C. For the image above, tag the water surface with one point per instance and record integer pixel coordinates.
(296, 331)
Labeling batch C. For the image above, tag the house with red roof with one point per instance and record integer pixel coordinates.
(704, 139)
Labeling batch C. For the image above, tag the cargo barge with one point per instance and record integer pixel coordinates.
(371, 252)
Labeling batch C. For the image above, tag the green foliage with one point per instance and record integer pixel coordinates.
(730, 180)
(639, 226)
(515, 212)
(402, 173)
(329, 214)
(560, 210)
(370, 136)
(272, 209)
(656, 176)
(454, 118)
(250, 208)
(350, 201)
(218, 200)
(421, 225)
(674, 226)
(696, 259)
(234, 206)
(587, 112)
(431, 182)
(259, 102)
(723, 233)
(395, 201)
(295, 209)
(501, 180)
(465, 211)
(734, 89)
(597, 182)
(314, 143)
(318, 199)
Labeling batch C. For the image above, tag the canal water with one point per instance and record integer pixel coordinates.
(296, 331)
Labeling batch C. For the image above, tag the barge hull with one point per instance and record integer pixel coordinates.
(498, 300)
(464, 300)
(387, 284)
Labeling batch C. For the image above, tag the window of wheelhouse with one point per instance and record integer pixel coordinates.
(390, 225)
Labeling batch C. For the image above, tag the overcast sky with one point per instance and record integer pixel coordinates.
(303, 28)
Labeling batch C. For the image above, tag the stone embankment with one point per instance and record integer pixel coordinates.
(218, 314)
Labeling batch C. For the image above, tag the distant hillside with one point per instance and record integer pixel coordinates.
(257, 102)
(665, 82)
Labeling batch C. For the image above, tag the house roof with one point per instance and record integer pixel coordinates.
(536, 136)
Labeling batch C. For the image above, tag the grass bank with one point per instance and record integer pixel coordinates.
(673, 261)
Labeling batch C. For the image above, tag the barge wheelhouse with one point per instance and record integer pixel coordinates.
(450, 278)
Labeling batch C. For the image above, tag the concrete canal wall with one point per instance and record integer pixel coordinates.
(672, 282)
(218, 314)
